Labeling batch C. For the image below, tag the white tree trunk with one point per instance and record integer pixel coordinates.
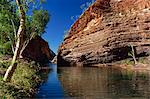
(25, 44)
(133, 54)
(19, 42)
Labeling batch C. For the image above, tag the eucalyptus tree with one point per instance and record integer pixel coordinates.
(9, 22)
(35, 25)
(19, 42)
(28, 27)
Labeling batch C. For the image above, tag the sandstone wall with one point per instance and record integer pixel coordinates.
(105, 31)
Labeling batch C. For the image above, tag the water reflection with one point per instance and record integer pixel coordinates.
(100, 83)
(51, 88)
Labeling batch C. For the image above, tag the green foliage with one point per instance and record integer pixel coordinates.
(9, 22)
(39, 21)
(130, 53)
(23, 74)
(25, 77)
(4, 64)
(7, 17)
(24, 81)
(5, 48)
(127, 61)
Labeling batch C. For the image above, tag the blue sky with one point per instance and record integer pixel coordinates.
(61, 12)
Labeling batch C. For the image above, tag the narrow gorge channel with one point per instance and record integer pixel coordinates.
(52, 86)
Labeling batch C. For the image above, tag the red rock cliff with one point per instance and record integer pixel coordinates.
(105, 31)
(38, 50)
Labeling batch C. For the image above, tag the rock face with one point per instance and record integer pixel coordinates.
(105, 32)
(38, 50)
(54, 61)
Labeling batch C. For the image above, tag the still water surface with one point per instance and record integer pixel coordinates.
(95, 83)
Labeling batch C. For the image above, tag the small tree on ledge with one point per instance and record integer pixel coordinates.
(132, 53)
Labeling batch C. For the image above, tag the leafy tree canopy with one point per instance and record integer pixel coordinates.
(36, 21)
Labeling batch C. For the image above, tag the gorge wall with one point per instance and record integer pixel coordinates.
(105, 32)
(38, 50)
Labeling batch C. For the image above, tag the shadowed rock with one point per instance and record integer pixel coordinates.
(38, 50)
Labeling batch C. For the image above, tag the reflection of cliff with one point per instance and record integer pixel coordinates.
(129, 84)
(103, 33)
(106, 83)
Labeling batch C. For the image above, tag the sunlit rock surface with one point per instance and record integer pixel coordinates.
(105, 32)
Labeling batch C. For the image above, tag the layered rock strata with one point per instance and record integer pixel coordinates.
(105, 33)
